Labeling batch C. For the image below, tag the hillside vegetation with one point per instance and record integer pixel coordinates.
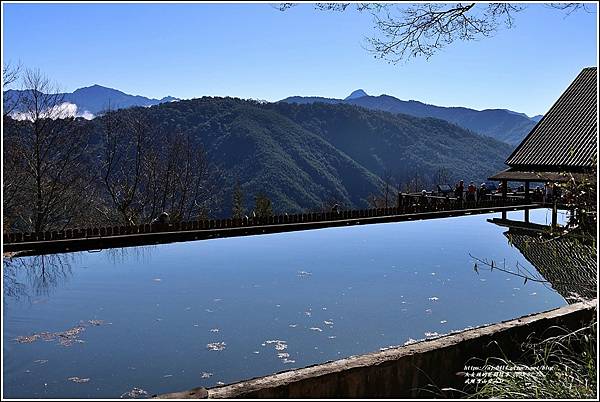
(301, 156)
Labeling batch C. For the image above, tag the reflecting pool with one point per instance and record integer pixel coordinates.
(176, 316)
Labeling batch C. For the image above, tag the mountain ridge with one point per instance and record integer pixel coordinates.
(502, 124)
(302, 156)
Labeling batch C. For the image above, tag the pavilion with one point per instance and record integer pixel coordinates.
(563, 144)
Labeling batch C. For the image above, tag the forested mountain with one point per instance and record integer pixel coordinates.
(187, 157)
(301, 156)
(503, 125)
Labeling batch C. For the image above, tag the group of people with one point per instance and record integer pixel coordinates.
(472, 193)
(548, 193)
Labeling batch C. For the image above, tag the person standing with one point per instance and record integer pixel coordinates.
(459, 189)
(471, 190)
(548, 192)
(482, 192)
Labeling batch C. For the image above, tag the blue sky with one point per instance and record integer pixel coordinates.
(256, 51)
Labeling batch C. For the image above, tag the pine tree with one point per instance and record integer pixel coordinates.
(263, 207)
(238, 202)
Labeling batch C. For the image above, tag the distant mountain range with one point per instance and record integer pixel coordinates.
(92, 100)
(501, 124)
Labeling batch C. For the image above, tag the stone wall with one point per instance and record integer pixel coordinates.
(407, 371)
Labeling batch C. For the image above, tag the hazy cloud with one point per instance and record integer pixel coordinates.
(64, 110)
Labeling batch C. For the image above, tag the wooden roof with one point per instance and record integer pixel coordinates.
(512, 174)
(565, 139)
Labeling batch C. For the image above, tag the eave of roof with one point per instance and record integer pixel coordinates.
(512, 174)
(567, 136)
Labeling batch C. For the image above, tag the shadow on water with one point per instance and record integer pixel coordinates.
(565, 258)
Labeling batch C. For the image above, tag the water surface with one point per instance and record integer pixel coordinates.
(176, 316)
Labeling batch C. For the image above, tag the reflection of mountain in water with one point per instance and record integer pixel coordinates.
(568, 262)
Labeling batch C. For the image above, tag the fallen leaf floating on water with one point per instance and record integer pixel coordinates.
(410, 341)
(214, 330)
(40, 361)
(434, 298)
(167, 375)
(293, 325)
(135, 393)
(304, 274)
(331, 337)
(431, 334)
(220, 383)
(65, 338)
(216, 346)
(443, 322)
(78, 380)
(206, 375)
(96, 322)
(281, 346)
(69, 341)
(316, 329)
(72, 332)
(328, 322)
(27, 339)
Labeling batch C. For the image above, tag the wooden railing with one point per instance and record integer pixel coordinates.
(410, 204)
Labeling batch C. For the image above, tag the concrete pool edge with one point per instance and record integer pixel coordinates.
(402, 372)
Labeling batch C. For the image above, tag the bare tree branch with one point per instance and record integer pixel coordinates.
(45, 184)
(409, 30)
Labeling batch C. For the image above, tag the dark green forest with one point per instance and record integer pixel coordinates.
(187, 157)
